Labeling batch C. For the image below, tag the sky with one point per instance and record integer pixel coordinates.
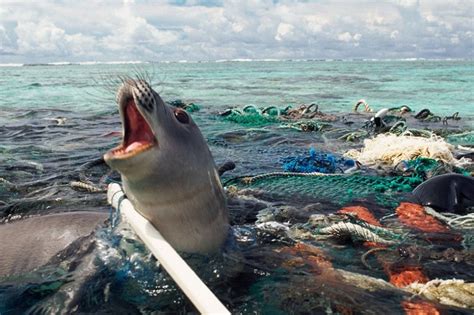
(75, 31)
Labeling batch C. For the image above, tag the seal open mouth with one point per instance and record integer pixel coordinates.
(138, 136)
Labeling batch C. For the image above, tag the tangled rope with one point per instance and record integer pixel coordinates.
(87, 187)
(449, 292)
(389, 150)
(464, 222)
(355, 232)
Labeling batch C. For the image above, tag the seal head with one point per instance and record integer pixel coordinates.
(168, 172)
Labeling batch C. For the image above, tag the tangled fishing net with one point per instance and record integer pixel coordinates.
(465, 138)
(316, 162)
(339, 188)
(390, 150)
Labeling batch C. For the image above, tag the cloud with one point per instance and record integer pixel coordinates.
(284, 30)
(107, 30)
(133, 32)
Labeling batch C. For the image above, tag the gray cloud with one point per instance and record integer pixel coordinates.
(208, 30)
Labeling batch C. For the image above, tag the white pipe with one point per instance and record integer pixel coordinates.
(199, 294)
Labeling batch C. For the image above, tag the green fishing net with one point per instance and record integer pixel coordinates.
(339, 189)
(251, 118)
(465, 138)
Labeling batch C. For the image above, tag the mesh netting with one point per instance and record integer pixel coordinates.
(316, 162)
(254, 119)
(466, 138)
(338, 189)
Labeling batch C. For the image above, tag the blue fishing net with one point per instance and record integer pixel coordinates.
(316, 162)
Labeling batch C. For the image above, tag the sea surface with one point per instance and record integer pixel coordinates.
(442, 86)
(55, 119)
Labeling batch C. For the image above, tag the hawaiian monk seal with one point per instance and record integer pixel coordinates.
(30, 243)
(168, 172)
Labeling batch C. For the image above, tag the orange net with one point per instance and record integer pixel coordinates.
(419, 308)
(414, 216)
(401, 277)
(361, 213)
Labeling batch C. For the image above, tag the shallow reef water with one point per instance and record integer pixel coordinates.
(347, 242)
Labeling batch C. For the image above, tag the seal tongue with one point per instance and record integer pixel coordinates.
(137, 131)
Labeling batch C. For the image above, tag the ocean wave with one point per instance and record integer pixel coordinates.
(11, 64)
(60, 63)
(131, 62)
(118, 62)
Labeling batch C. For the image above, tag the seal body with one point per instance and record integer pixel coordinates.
(448, 192)
(168, 172)
(30, 243)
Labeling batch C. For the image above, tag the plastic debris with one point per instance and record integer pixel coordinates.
(316, 162)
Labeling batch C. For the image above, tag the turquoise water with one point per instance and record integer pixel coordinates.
(442, 86)
(56, 119)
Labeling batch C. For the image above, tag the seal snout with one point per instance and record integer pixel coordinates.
(132, 98)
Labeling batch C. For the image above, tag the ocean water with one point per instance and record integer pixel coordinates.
(54, 119)
(442, 86)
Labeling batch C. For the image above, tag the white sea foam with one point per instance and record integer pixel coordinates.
(60, 63)
(118, 62)
(131, 62)
(88, 63)
(11, 64)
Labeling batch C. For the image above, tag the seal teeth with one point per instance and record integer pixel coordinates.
(123, 152)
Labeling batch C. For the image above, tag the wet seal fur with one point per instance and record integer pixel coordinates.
(168, 172)
(32, 242)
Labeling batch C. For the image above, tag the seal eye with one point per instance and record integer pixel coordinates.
(181, 116)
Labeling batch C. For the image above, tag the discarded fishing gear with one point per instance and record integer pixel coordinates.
(463, 138)
(401, 109)
(251, 115)
(310, 111)
(457, 221)
(308, 126)
(362, 102)
(354, 136)
(388, 150)
(336, 188)
(357, 232)
(310, 116)
(425, 168)
(426, 115)
(454, 116)
(317, 162)
(449, 292)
